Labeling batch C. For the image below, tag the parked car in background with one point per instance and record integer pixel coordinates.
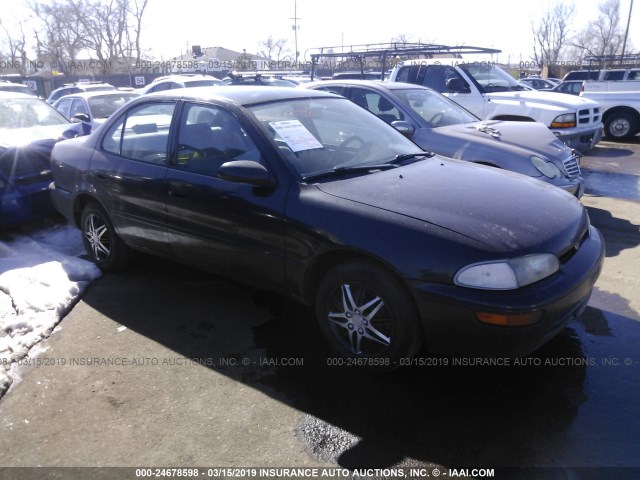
(492, 94)
(308, 195)
(92, 108)
(7, 86)
(258, 80)
(186, 80)
(538, 83)
(440, 125)
(571, 87)
(29, 127)
(357, 76)
(78, 87)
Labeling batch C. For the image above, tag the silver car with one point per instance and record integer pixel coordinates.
(440, 125)
(93, 107)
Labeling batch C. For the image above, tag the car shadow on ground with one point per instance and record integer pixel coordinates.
(622, 234)
(436, 413)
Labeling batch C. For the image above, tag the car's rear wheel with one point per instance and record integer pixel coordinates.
(105, 248)
(366, 315)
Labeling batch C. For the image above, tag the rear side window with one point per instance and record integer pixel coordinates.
(142, 134)
(614, 75)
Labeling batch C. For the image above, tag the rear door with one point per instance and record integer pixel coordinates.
(128, 172)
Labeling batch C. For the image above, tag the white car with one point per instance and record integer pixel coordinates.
(172, 82)
(538, 83)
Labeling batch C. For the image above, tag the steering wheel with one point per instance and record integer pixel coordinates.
(349, 140)
(437, 118)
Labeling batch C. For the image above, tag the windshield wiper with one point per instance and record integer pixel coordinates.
(409, 156)
(337, 171)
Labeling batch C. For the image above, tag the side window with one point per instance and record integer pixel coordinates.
(439, 77)
(376, 104)
(64, 107)
(408, 74)
(77, 107)
(615, 75)
(209, 136)
(338, 90)
(142, 134)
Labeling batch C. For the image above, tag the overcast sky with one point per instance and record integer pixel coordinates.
(172, 27)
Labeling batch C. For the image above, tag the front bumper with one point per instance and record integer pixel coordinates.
(582, 139)
(448, 312)
(575, 187)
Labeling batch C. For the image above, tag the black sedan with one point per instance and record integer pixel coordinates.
(308, 195)
(29, 127)
(440, 125)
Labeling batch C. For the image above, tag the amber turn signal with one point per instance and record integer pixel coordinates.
(509, 320)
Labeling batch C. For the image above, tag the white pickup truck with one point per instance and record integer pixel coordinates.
(611, 86)
(491, 93)
(620, 103)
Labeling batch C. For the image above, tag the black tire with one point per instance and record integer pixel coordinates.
(620, 126)
(375, 333)
(103, 245)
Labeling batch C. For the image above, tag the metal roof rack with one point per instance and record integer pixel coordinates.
(382, 51)
(614, 60)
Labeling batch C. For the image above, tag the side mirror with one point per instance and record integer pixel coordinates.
(83, 117)
(246, 171)
(457, 85)
(404, 128)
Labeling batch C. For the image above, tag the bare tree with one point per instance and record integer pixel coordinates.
(105, 30)
(604, 35)
(137, 9)
(550, 35)
(271, 48)
(61, 36)
(15, 46)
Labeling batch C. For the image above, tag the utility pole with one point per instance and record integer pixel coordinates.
(295, 27)
(626, 32)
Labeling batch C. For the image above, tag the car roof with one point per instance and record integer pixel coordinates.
(240, 95)
(377, 84)
(97, 93)
(7, 94)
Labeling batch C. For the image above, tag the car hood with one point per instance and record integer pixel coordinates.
(482, 141)
(506, 212)
(551, 99)
(16, 137)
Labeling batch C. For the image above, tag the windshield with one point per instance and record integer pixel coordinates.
(437, 110)
(492, 78)
(28, 112)
(103, 106)
(318, 135)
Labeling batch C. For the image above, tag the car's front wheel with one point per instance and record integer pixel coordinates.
(105, 248)
(620, 126)
(366, 314)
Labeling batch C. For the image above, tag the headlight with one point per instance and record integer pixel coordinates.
(568, 120)
(548, 169)
(508, 274)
